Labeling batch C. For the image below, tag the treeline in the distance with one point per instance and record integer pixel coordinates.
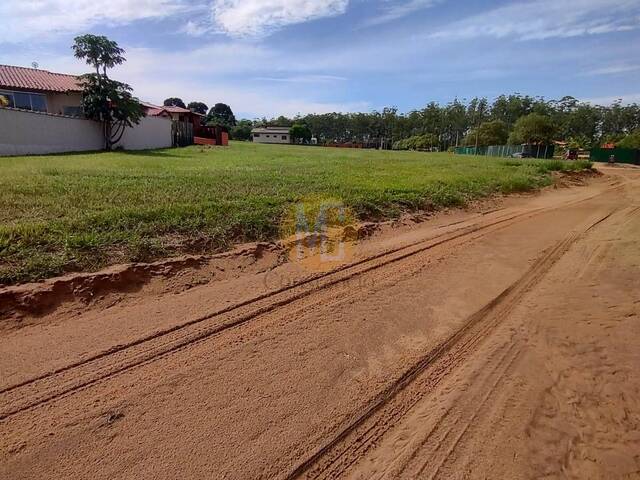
(510, 119)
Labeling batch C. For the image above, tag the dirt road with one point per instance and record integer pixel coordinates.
(495, 343)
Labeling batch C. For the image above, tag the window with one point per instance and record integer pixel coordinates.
(256, 135)
(284, 137)
(72, 111)
(38, 103)
(23, 100)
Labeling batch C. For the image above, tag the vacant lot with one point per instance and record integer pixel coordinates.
(79, 212)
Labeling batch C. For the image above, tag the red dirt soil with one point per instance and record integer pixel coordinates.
(498, 342)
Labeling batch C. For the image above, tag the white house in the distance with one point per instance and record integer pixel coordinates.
(271, 135)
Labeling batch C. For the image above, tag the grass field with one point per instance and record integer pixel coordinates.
(81, 212)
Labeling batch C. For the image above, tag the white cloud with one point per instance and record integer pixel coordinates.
(246, 101)
(26, 19)
(252, 18)
(625, 99)
(393, 10)
(194, 29)
(243, 76)
(542, 19)
(303, 79)
(236, 77)
(613, 70)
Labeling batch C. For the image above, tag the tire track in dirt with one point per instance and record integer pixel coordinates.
(361, 432)
(37, 391)
(511, 355)
(579, 427)
(88, 371)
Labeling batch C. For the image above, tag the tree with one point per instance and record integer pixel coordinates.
(242, 131)
(494, 132)
(300, 133)
(221, 115)
(98, 51)
(533, 129)
(630, 141)
(457, 122)
(174, 102)
(107, 101)
(197, 107)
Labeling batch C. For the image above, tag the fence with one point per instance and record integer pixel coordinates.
(503, 150)
(181, 133)
(470, 150)
(621, 155)
(530, 151)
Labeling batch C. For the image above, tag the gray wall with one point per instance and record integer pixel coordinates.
(23, 133)
(26, 133)
(151, 132)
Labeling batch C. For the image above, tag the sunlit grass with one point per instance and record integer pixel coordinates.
(62, 213)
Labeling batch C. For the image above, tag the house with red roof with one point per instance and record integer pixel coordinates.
(177, 114)
(61, 94)
(40, 90)
(41, 112)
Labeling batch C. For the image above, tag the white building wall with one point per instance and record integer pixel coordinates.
(272, 138)
(32, 133)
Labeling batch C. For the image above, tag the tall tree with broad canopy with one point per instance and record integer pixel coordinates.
(494, 132)
(533, 129)
(221, 115)
(300, 133)
(198, 107)
(174, 102)
(103, 99)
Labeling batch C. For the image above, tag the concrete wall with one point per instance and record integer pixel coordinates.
(151, 132)
(26, 133)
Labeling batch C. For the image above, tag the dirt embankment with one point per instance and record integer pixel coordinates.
(180, 273)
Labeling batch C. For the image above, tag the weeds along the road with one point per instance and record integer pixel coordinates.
(80, 212)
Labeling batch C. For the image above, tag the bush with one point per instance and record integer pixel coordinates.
(630, 141)
(417, 142)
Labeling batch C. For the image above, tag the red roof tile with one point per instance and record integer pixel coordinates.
(173, 109)
(34, 79)
(170, 109)
(154, 110)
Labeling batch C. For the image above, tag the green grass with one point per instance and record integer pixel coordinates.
(80, 212)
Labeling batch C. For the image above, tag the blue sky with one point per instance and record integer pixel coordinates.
(271, 57)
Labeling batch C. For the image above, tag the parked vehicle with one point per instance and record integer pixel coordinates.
(571, 154)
